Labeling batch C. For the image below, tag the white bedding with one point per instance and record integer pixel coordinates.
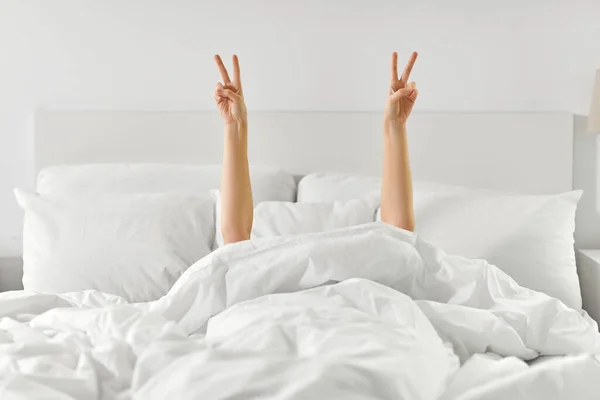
(367, 312)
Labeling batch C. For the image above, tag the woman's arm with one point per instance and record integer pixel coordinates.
(396, 189)
(236, 191)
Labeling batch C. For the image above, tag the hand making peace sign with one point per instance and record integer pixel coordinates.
(228, 95)
(402, 95)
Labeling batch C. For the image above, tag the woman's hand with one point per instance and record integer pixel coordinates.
(402, 95)
(228, 95)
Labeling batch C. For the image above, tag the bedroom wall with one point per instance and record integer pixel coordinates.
(296, 55)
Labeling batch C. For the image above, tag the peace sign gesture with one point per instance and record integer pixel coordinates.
(228, 95)
(402, 95)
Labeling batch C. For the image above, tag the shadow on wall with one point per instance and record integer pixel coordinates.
(586, 176)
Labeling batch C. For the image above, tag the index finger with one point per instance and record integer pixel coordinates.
(222, 69)
(394, 67)
(237, 77)
(409, 67)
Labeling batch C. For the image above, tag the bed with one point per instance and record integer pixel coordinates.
(324, 300)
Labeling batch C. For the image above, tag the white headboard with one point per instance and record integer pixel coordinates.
(524, 152)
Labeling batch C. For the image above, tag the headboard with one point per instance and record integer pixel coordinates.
(524, 152)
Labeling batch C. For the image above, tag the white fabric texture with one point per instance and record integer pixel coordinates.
(131, 245)
(367, 312)
(282, 218)
(530, 237)
(326, 186)
(268, 183)
(279, 218)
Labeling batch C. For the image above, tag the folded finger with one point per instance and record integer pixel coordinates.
(414, 95)
(230, 94)
(401, 93)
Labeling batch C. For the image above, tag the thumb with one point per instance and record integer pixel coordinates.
(402, 93)
(230, 94)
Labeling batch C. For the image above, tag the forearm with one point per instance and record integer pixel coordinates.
(236, 191)
(396, 191)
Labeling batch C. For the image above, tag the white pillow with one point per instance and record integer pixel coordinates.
(267, 183)
(130, 245)
(278, 218)
(527, 236)
(530, 237)
(337, 187)
(281, 218)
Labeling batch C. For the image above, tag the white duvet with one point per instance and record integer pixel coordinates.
(369, 312)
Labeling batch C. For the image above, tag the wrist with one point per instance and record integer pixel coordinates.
(236, 127)
(394, 127)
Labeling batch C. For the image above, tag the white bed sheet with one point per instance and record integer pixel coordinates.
(362, 312)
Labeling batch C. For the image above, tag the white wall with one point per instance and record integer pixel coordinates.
(295, 55)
